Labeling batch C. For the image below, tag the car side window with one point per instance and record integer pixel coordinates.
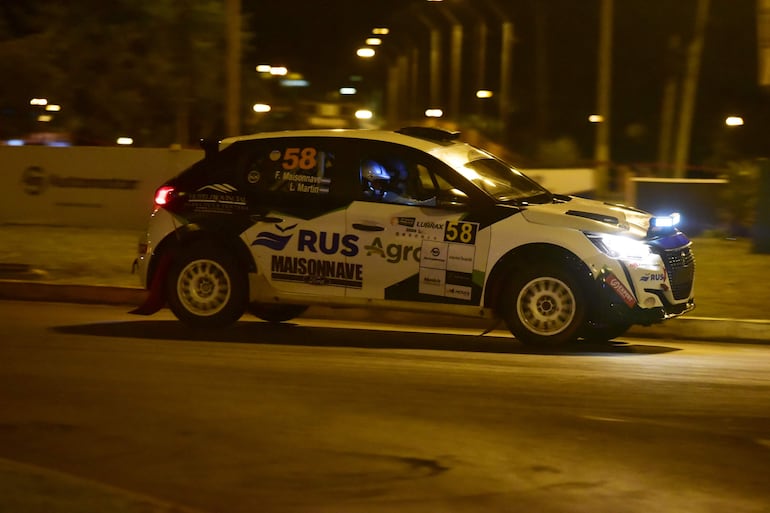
(395, 178)
(294, 174)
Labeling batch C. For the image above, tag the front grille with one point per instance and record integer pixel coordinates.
(680, 266)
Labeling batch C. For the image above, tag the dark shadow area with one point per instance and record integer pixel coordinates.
(290, 334)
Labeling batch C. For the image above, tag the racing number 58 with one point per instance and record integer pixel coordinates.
(304, 158)
(462, 232)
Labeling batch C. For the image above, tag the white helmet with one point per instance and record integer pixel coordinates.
(374, 175)
(373, 171)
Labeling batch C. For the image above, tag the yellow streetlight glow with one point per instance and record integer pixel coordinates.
(279, 70)
(365, 53)
(484, 93)
(373, 41)
(381, 31)
(125, 141)
(44, 118)
(53, 108)
(596, 118)
(347, 91)
(434, 113)
(364, 114)
(264, 68)
(734, 121)
(38, 101)
(261, 107)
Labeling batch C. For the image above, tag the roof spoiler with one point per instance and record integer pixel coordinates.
(429, 133)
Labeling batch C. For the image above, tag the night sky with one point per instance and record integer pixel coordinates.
(318, 39)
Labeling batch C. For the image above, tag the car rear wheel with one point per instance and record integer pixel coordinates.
(206, 288)
(276, 313)
(544, 305)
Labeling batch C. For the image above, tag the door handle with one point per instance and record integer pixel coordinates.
(367, 227)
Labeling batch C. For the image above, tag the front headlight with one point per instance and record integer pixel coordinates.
(618, 246)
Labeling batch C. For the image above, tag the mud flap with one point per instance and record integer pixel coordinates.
(156, 299)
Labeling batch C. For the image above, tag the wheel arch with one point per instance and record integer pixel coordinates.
(189, 235)
(531, 254)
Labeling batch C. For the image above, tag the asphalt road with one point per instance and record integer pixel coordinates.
(104, 411)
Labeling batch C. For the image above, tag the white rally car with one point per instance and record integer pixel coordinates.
(411, 220)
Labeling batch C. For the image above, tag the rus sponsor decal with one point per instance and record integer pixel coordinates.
(620, 289)
(316, 271)
(653, 277)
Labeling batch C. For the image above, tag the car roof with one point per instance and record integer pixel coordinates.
(421, 138)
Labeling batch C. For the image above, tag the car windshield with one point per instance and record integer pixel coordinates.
(496, 178)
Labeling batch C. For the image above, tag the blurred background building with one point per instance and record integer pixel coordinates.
(549, 82)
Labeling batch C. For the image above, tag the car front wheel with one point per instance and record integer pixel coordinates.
(544, 305)
(206, 288)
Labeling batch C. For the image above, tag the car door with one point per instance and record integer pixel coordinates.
(418, 243)
(298, 237)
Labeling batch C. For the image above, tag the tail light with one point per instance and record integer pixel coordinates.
(164, 195)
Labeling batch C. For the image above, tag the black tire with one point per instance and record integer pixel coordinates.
(544, 305)
(603, 332)
(273, 312)
(206, 288)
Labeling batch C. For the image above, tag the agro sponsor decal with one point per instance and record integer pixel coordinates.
(219, 198)
(445, 262)
(301, 170)
(393, 253)
(623, 293)
(316, 271)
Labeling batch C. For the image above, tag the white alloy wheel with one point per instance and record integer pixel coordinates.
(546, 306)
(203, 287)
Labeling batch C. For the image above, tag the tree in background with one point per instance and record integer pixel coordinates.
(148, 69)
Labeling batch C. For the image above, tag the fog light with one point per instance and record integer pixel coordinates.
(649, 302)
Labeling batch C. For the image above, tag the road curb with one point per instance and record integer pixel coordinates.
(71, 293)
(684, 328)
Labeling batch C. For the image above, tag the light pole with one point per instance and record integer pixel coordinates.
(603, 93)
(233, 66)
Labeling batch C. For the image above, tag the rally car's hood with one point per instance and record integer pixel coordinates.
(590, 215)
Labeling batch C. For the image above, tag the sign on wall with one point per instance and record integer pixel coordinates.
(85, 186)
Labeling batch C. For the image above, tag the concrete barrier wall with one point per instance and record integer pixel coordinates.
(85, 186)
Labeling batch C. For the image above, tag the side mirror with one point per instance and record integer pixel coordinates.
(452, 199)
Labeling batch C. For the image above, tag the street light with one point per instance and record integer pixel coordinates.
(365, 52)
(364, 114)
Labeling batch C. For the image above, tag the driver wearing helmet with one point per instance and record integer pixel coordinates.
(380, 185)
(375, 178)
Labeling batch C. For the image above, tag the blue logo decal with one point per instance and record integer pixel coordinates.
(274, 241)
